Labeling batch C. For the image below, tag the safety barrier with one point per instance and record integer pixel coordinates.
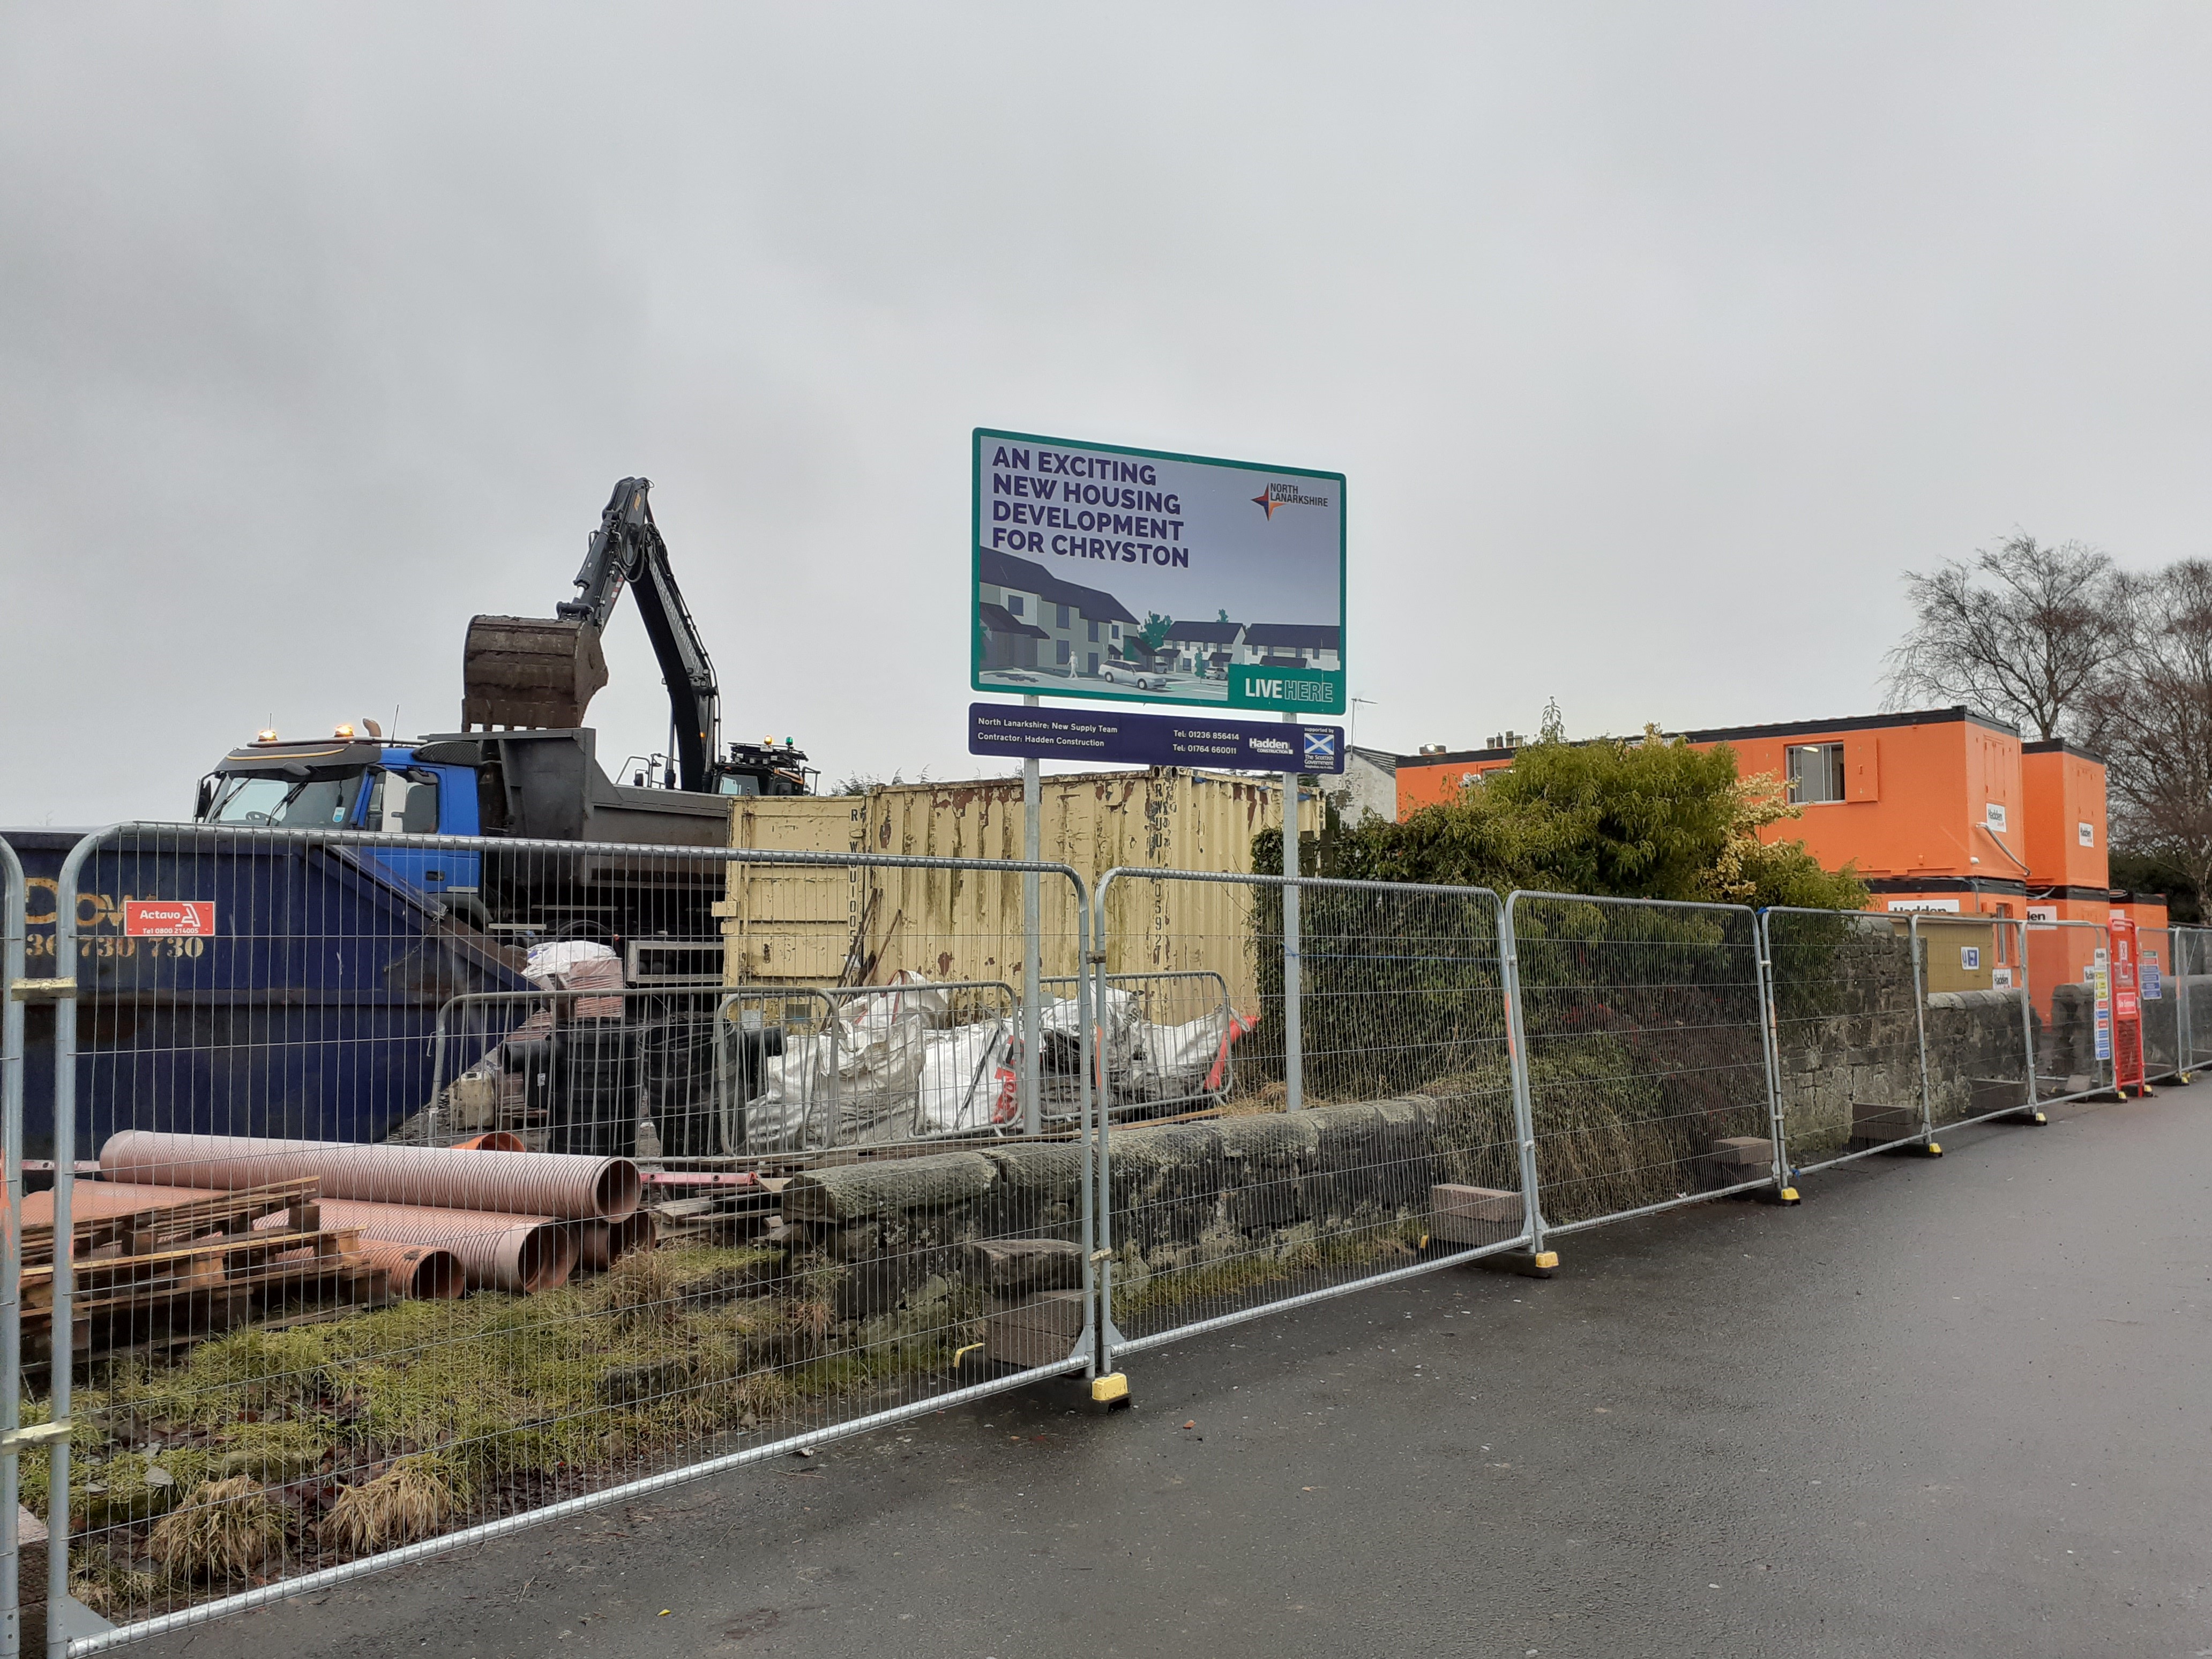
(2192, 973)
(888, 1171)
(1977, 1042)
(1647, 1066)
(15, 990)
(1196, 1002)
(1367, 1130)
(1846, 1007)
(2160, 993)
(2069, 975)
(274, 1384)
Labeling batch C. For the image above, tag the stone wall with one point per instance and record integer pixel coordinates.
(897, 1243)
(1856, 1044)
(1847, 1039)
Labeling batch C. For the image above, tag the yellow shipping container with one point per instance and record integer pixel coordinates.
(791, 925)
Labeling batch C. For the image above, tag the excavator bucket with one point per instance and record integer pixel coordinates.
(529, 671)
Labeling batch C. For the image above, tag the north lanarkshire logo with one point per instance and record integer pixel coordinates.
(1285, 494)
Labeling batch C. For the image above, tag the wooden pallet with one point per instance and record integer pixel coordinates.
(161, 1226)
(118, 1281)
(172, 1274)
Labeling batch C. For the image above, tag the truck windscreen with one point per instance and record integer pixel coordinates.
(262, 799)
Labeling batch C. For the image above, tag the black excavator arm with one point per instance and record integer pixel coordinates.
(532, 673)
(627, 548)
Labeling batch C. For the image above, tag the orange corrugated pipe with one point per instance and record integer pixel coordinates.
(496, 1140)
(497, 1251)
(564, 1186)
(600, 1244)
(420, 1273)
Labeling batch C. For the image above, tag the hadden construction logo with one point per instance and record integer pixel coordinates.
(1283, 495)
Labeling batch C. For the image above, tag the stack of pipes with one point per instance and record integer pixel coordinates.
(514, 1220)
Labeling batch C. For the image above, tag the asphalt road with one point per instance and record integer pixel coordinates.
(1954, 1407)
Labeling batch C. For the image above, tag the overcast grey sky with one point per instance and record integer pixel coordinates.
(1654, 341)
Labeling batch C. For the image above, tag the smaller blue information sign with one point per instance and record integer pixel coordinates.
(1191, 740)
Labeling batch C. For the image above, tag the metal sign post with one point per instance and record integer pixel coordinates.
(1032, 929)
(1294, 1062)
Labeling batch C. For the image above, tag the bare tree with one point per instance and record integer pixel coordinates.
(2152, 721)
(2022, 635)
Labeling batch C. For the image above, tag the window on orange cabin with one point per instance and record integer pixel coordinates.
(1816, 773)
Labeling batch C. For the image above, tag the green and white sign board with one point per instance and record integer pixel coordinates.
(1144, 576)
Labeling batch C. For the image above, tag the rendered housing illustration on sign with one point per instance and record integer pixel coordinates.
(1149, 577)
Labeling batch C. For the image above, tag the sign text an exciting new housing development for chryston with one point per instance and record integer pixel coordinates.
(1145, 576)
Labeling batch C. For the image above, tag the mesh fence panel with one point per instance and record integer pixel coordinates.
(12, 963)
(1847, 1037)
(2192, 958)
(1975, 1027)
(2066, 961)
(2161, 1004)
(1646, 1052)
(559, 1214)
(1404, 1154)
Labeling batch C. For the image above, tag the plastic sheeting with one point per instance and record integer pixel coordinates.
(899, 1071)
(902, 1073)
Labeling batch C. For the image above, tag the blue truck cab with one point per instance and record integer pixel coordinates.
(541, 784)
(347, 783)
(401, 797)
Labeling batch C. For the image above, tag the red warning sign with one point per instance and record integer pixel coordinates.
(2128, 1071)
(168, 918)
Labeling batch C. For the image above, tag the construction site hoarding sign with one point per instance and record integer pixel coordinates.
(1141, 576)
(1125, 738)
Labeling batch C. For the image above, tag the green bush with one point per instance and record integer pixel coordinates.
(1649, 819)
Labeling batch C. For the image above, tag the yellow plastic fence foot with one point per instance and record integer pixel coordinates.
(1788, 1195)
(1934, 1150)
(1110, 1392)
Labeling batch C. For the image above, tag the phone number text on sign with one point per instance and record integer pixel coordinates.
(168, 918)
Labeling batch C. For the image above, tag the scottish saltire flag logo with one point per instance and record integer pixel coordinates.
(1320, 746)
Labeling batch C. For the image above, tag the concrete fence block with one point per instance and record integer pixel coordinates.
(1036, 1330)
(1473, 1215)
(1011, 1267)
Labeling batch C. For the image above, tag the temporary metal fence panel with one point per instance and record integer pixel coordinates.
(1405, 1155)
(1976, 1019)
(2161, 1002)
(15, 990)
(2192, 976)
(2070, 987)
(1647, 1056)
(1844, 994)
(1152, 1082)
(272, 1379)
